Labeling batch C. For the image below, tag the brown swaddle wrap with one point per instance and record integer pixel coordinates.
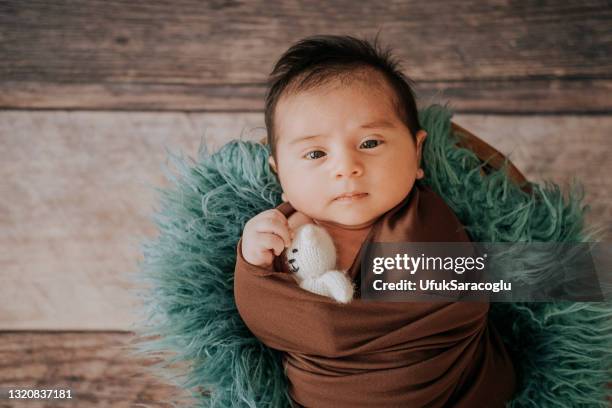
(379, 354)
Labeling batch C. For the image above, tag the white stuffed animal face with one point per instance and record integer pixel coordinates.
(312, 252)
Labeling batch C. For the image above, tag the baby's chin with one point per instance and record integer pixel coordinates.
(352, 219)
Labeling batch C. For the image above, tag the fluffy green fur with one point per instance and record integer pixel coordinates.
(562, 350)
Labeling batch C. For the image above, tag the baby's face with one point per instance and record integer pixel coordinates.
(340, 139)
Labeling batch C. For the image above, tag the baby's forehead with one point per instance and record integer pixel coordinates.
(363, 79)
(366, 97)
(368, 81)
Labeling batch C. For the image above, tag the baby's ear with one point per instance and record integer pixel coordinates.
(272, 163)
(420, 138)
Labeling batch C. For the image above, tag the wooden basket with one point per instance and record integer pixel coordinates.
(488, 154)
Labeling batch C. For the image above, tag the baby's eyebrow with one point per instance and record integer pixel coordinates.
(301, 139)
(377, 124)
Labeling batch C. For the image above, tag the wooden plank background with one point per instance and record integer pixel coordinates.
(93, 92)
(96, 367)
(486, 56)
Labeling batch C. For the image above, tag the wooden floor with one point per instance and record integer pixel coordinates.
(96, 367)
(93, 94)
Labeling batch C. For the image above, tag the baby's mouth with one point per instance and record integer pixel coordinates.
(351, 197)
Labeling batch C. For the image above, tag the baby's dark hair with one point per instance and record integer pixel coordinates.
(319, 59)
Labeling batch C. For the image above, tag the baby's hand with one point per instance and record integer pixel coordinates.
(264, 236)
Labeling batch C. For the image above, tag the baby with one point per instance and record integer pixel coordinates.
(346, 146)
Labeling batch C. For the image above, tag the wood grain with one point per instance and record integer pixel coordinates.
(98, 368)
(77, 193)
(491, 57)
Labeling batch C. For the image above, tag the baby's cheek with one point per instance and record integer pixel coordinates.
(297, 219)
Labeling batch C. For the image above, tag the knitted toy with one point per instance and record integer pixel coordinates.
(312, 257)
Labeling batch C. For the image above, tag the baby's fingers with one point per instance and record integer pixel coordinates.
(276, 226)
(273, 242)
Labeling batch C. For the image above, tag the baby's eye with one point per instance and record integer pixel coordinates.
(371, 145)
(312, 156)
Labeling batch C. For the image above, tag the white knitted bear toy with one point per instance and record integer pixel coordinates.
(312, 259)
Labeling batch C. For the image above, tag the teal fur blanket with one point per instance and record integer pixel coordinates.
(562, 350)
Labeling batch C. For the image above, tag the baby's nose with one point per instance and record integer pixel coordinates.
(348, 166)
(349, 173)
